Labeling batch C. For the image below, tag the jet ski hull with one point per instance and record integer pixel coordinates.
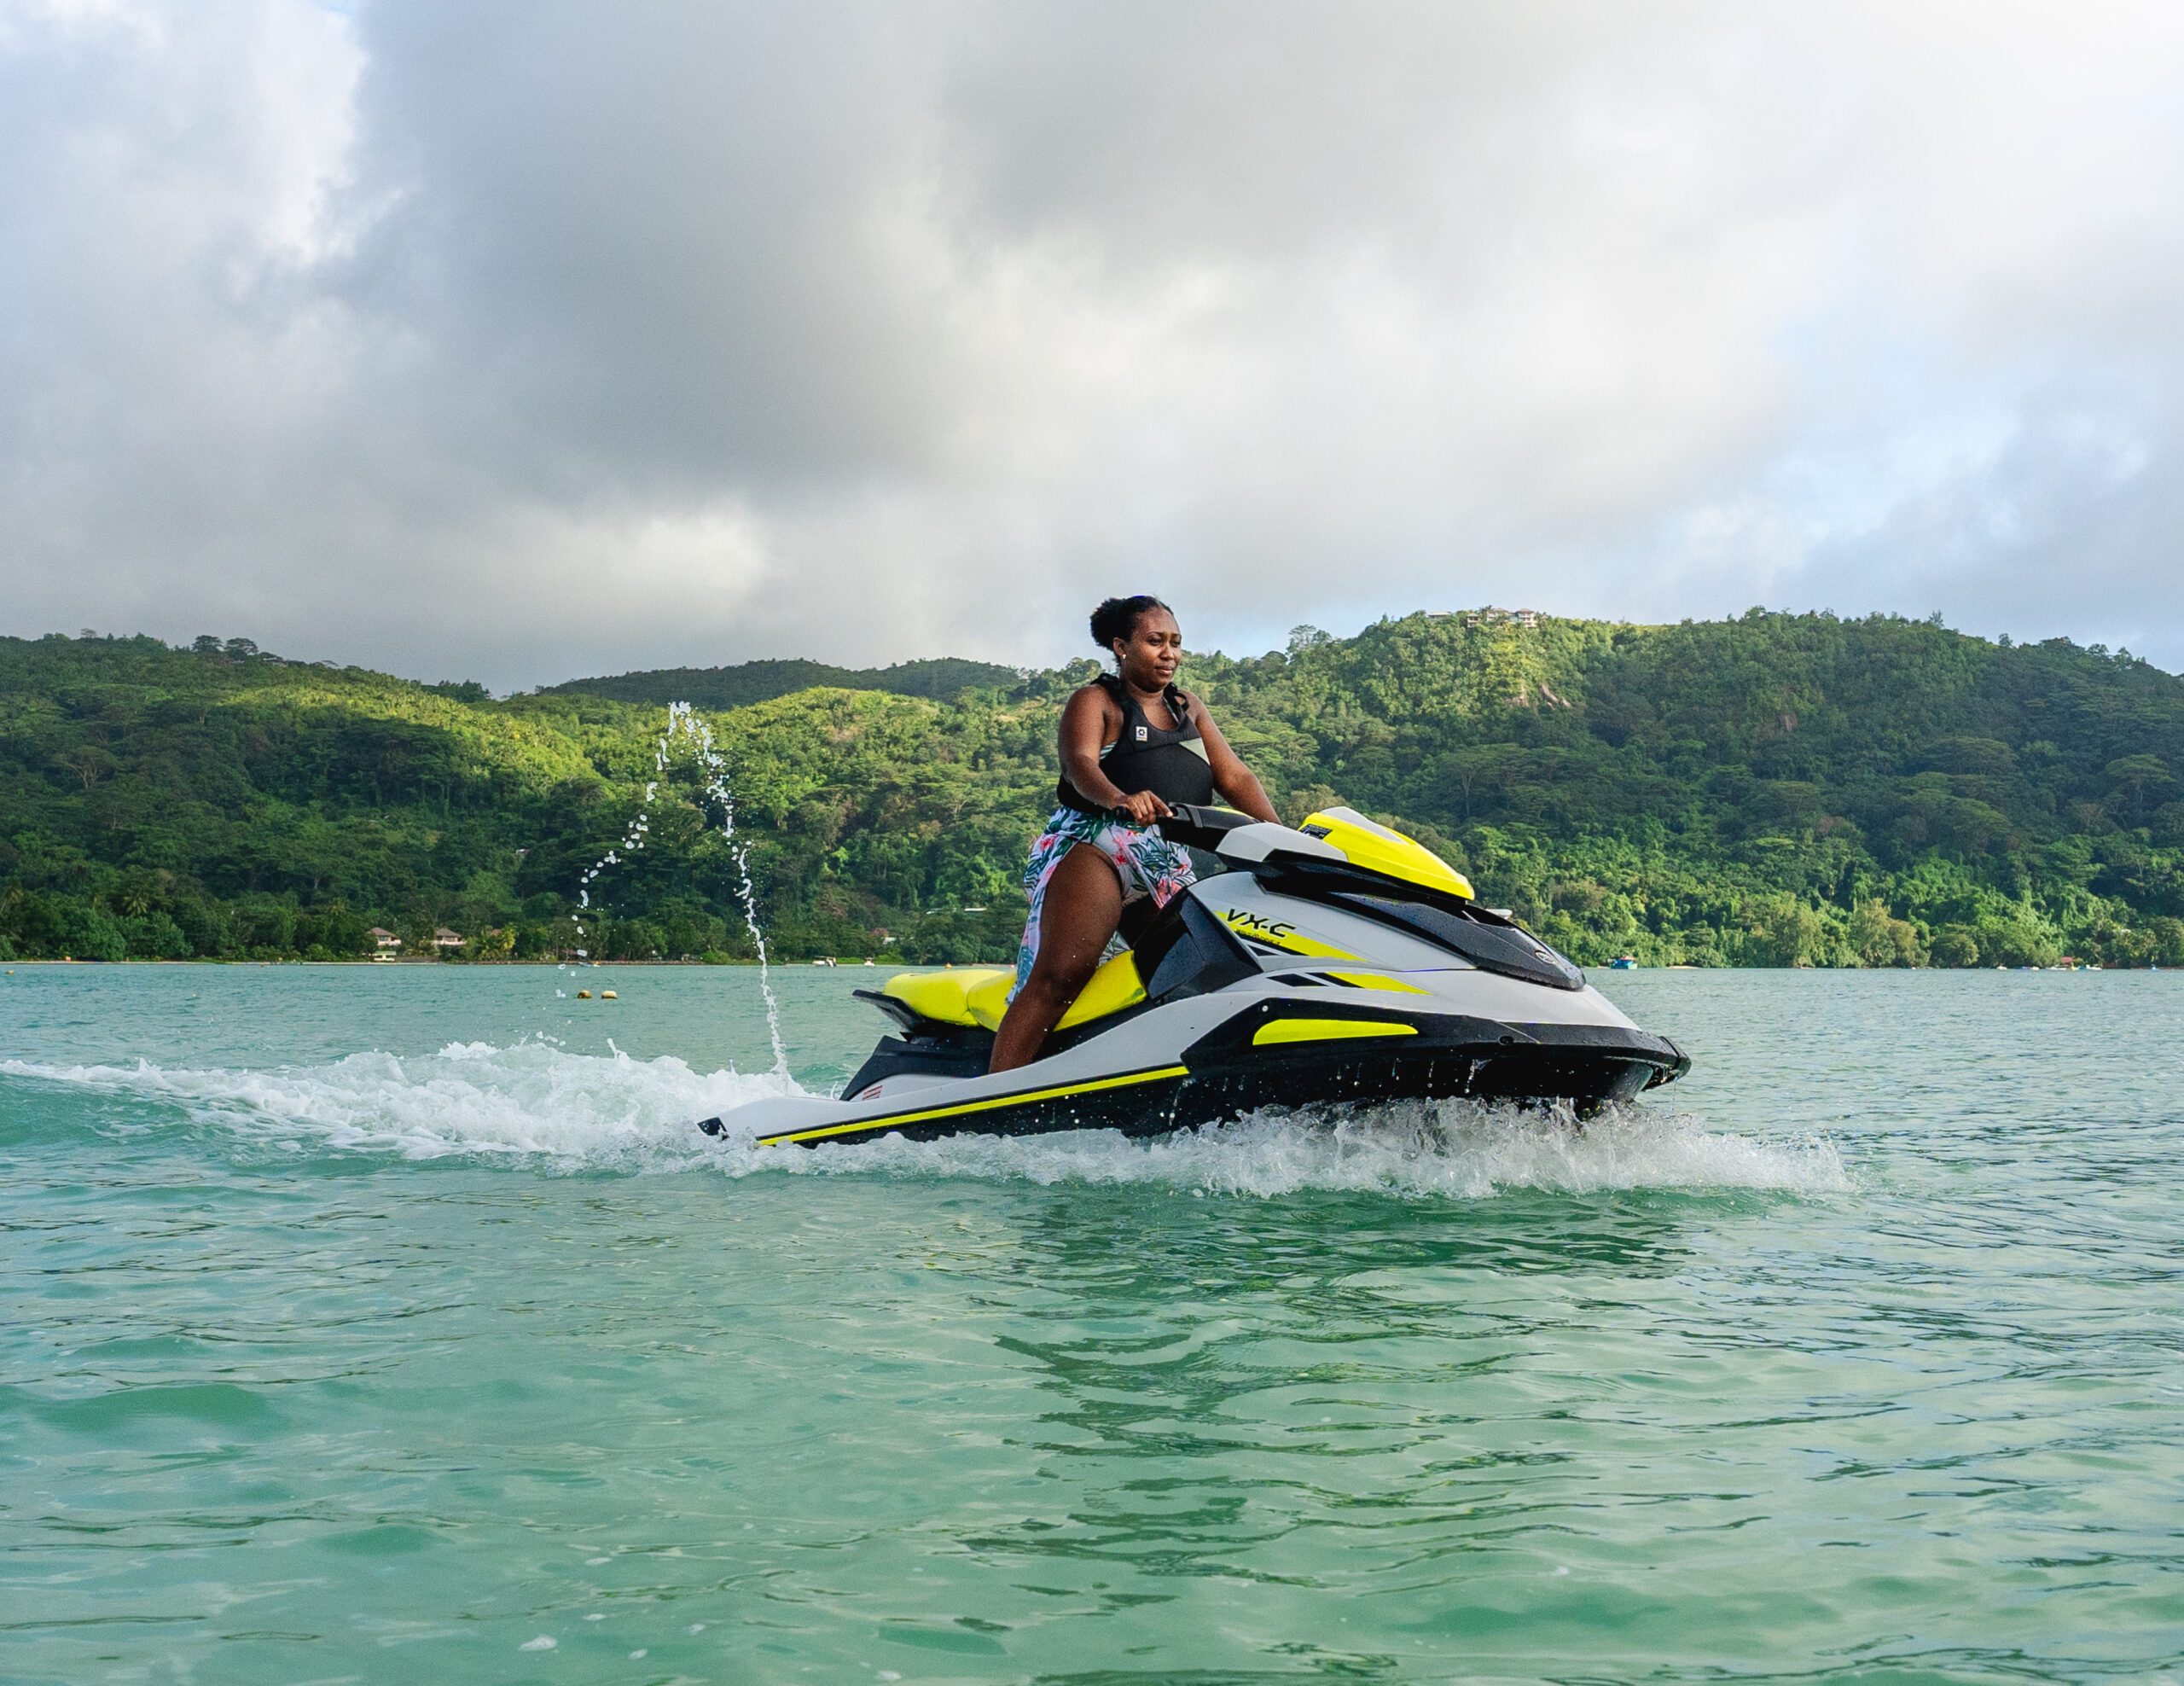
(1346, 1053)
(1297, 978)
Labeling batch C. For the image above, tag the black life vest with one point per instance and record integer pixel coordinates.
(1169, 763)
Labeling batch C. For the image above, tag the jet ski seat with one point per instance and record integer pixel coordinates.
(977, 995)
(945, 997)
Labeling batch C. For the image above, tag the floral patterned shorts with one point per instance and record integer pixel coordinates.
(1149, 866)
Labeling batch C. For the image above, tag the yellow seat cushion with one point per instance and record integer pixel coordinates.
(989, 1002)
(979, 995)
(1111, 988)
(945, 996)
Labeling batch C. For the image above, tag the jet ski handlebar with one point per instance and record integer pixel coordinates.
(1211, 829)
(1195, 827)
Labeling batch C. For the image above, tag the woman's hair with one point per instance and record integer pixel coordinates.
(1117, 617)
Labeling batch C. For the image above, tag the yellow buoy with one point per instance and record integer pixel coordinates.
(606, 995)
(584, 995)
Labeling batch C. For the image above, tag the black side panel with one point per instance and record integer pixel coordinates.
(1195, 956)
(1446, 1054)
(1138, 917)
(963, 1054)
(1666, 1061)
(1232, 1042)
(901, 1012)
(1150, 946)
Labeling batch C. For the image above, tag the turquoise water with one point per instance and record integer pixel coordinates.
(392, 1325)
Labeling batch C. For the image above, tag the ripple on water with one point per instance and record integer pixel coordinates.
(389, 1367)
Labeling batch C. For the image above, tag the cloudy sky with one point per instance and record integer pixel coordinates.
(520, 340)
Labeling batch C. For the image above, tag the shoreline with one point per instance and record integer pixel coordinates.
(408, 960)
(876, 964)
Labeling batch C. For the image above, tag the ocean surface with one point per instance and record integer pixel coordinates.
(393, 1324)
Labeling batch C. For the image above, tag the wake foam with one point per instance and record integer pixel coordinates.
(1444, 1149)
(469, 1098)
(536, 1101)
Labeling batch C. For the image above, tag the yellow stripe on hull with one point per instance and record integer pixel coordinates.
(1324, 1030)
(1022, 1098)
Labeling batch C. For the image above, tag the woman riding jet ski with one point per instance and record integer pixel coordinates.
(1337, 961)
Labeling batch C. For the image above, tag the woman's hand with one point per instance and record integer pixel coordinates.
(1142, 806)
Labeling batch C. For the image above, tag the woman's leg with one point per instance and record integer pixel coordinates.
(1082, 903)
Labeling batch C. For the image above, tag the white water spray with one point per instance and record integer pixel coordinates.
(687, 729)
(536, 1101)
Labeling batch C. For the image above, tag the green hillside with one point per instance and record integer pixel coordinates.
(1772, 790)
(750, 682)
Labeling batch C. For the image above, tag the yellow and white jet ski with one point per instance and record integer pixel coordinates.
(1337, 963)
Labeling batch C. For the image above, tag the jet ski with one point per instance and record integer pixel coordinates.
(1335, 962)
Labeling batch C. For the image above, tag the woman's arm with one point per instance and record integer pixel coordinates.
(1236, 781)
(1088, 724)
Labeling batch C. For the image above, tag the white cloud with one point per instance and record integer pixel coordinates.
(516, 342)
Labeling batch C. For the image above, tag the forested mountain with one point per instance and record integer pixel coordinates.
(750, 682)
(1772, 790)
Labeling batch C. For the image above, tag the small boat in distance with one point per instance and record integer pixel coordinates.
(1624, 962)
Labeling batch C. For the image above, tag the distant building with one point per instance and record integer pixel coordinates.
(444, 939)
(384, 941)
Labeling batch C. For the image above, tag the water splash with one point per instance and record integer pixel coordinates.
(688, 729)
(533, 1100)
(685, 720)
(536, 1102)
(1414, 1150)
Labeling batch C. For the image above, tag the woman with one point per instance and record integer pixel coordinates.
(1132, 744)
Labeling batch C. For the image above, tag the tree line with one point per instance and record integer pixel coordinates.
(1775, 789)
